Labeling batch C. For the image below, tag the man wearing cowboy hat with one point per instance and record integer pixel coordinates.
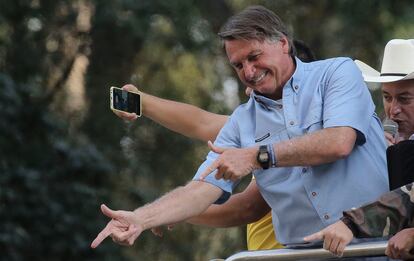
(397, 78)
(393, 213)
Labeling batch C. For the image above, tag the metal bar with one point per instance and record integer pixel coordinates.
(366, 249)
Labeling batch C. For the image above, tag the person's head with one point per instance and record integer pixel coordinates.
(260, 49)
(303, 52)
(397, 78)
(398, 98)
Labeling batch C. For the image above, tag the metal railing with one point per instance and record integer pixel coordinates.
(366, 249)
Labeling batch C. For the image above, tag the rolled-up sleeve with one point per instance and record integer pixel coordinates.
(228, 137)
(347, 101)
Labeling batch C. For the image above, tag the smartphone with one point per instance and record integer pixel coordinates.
(126, 101)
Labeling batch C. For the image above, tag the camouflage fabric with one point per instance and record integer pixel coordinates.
(391, 213)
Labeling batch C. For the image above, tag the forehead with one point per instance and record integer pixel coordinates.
(399, 87)
(238, 49)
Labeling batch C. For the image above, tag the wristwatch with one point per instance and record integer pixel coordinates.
(263, 157)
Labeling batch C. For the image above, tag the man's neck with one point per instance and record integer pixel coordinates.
(290, 70)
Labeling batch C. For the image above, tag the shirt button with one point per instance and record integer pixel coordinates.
(326, 216)
(280, 106)
(314, 193)
(304, 170)
(291, 122)
(296, 87)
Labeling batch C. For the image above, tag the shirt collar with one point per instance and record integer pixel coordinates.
(266, 102)
(295, 81)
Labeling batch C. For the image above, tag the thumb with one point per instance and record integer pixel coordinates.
(109, 212)
(130, 88)
(314, 237)
(215, 149)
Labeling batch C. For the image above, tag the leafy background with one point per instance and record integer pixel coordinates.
(62, 151)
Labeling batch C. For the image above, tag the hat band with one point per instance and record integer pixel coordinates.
(393, 74)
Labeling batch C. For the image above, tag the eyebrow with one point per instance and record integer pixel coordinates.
(399, 94)
(252, 53)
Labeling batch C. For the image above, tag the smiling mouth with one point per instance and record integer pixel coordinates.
(258, 78)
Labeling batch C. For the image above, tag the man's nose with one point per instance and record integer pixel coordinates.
(395, 108)
(249, 71)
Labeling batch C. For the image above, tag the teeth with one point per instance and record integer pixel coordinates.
(259, 78)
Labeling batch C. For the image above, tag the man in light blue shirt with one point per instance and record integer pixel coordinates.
(308, 133)
(319, 95)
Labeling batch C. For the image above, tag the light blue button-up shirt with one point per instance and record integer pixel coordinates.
(305, 199)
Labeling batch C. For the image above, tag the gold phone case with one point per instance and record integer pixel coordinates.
(111, 104)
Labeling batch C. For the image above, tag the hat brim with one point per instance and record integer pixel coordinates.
(372, 75)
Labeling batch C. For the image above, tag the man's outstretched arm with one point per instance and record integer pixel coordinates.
(176, 206)
(241, 209)
(191, 121)
(183, 118)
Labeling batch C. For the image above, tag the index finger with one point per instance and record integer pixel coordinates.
(208, 170)
(314, 237)
(101, 236)
(126, 115)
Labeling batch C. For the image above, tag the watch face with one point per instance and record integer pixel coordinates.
(264, 157)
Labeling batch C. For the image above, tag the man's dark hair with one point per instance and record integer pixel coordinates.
(256, 23)
(303, 52)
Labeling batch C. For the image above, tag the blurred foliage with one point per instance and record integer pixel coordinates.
(50, 181)
(63, 152)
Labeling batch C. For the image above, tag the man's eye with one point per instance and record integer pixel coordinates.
(253, 57)
(387, 98)
(238, 66)
(404, 100)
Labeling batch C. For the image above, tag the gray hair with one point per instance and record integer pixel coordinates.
(256, 23)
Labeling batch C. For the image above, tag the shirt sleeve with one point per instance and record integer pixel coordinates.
(347, 101)
(388, 215)
(228, 137)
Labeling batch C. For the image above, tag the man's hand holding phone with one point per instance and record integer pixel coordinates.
(129, 114)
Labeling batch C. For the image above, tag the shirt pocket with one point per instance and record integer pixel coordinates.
(313, 120)
(271, 137)
(268, 177)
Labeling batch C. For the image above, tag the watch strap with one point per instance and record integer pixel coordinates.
(272, 155)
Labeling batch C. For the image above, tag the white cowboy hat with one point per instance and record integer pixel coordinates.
(397, 63)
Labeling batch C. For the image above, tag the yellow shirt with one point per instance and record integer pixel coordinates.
(260, 234)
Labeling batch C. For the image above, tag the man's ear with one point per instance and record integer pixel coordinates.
(285, 44)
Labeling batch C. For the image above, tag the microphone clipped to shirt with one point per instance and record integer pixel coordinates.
(390, 127)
